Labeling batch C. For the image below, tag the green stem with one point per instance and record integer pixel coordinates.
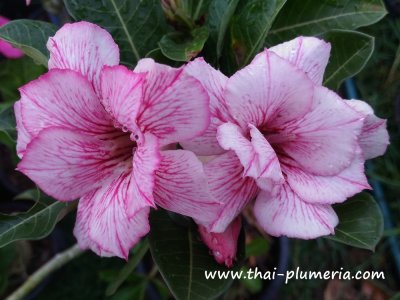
(36, 278)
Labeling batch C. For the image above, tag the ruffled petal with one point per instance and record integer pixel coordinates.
(83, 47)
(223, 245)
(268, 93)
(309, 54)
(325, 141)
(284, 213)
(175, 105)
(214, 82)
(102, 223)
(374, 137)
(181, 186)
(23, 137)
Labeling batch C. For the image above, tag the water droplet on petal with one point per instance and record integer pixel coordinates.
(124, 128)
(214, 240)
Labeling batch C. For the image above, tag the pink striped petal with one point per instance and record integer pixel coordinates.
(175, 104)
(325, 141)
(374, 137)
(256, 156)
(228, 186)
(83, 47)
(5, 48)
(181, 186)
(264, 94)
(24, 137)
(121, 91)
(62, 98)
(102, 223)
(284, 213)
(214, 82)
(309, 54)
(67, 164)
(223, 245)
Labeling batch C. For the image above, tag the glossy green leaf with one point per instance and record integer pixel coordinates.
(7, 124)
(183, 259)
(181, 47)
(313, 17)
(360, 222)
(30, 36)
(351, 50)
(136, 25)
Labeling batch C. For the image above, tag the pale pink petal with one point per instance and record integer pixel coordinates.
(324, 142)
(309, 54)
(5, 48)
(121, 91)
(256, 156)
(24, 137)
(284, 213)
(268, 93)
(223, 245)
(67, 164)
(83, 47)
(28, 2)
(175, 104)
(62, 98)
(374, 137)
(181, 186)
(102, 223)
(146, 160)
(214, 82)
(228, 186)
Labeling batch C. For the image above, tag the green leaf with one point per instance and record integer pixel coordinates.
(34, 224)
(136, 25)
(29, 36)
(183, 259)
(360, 222)
(351, 50)
(254, 285)
(180, 47)
(257, 247)
(7, 124)
(313, 17)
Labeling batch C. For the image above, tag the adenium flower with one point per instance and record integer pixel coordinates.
(279, 136)
(93, 130)
(6, 48)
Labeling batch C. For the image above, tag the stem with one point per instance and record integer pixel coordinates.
(36, 278)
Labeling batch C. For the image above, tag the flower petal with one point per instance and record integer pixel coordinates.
(228, 186)
(325, 141)
(175, 104)
(257, 156)
(284, 213)
(214, 82)
(374, 137)
(67, 164)
(83, 47)
(181, 186)
(309, 54)
(223, 245)
(263, 94)
(24, 137)
(102, 223)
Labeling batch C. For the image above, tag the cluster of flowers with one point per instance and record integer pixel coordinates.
(95, 130)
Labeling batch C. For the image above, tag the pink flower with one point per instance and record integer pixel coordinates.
(278, 136)
(93, 130)
(5, 48)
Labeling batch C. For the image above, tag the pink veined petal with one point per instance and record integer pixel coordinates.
(102, 223)
(67, 164)
(325, 141)
(5, 48)
(284, 213)
(24, 137)
(62, 98)
(228, 186)
(83, 47)
(181, 186)
(327, 189)
(374, 137)
(214, 82)
(175, 105)
(121, 91)
(146, 160)
(257, 156)
(264, 94)
(309, 54)
(223, 245)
